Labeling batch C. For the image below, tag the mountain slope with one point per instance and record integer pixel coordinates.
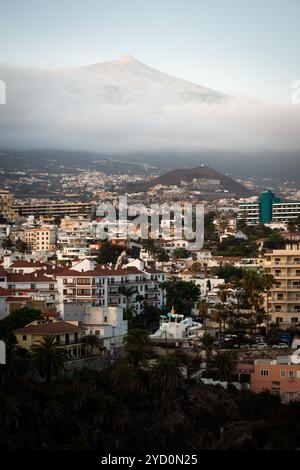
(127, 79)
(175, 177)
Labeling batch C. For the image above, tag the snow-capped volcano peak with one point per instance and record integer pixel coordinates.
(127, 59)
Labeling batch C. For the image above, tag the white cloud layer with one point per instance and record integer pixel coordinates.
(71, 109)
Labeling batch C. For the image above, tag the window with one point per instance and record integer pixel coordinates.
(279, 319)
(83, 281)
(105, 319)
(294, 319)
(277, 308)
(279, 296)
(291, 374)
(24, 338)
(277, 272)
(97, 332)
(282, 374)
(264, 373)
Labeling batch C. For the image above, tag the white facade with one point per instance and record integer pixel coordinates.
(105, 322)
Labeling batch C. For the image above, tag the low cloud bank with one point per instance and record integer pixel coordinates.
(69, 109)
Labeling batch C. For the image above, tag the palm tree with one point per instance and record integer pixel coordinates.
(202, 308)
(149, 246)
(49, 357)
(165, 375)
(291, 226)
(220, 315)
(136, 346)
(162, 257)
(208, 346)
(224, 363)
(7, 244)
(127, 292)
(124, 381)
(94, 342)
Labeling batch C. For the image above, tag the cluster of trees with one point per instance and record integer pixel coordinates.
(19, 245)
(179, 294)
(132, 405)
(232, 246)
(243, 311)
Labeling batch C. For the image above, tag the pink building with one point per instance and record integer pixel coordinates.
(278, 375)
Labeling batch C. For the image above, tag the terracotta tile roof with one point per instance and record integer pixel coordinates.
(27, 264)
(51, 328)
(101, 270)
(18, 298)
(28, 277)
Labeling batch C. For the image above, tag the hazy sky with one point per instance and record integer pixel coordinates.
(238, 46)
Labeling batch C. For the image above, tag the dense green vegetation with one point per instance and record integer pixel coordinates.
(18, 319)
(232, 246)
(132, 406)
(108, 253)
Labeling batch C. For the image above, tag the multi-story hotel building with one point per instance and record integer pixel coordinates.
(267, 209)
(56, 209)
(7, 210)
(284, 296)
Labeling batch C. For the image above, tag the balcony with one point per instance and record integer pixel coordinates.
(116, 283)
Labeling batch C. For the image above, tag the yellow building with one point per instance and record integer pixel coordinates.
(67, 333)
(284, 296)
(41, 239)
(6, 206)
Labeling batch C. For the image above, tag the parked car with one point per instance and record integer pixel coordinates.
(245, 346)
(280, 346)
(229, 337)
(261, 346)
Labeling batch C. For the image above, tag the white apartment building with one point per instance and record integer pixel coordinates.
(42, 238)
(110, 286)
(73, 253)
(205, 284)
(77, 233)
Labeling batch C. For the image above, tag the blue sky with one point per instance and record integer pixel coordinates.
(240, 46)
